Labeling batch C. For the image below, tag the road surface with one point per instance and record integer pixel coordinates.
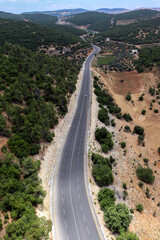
(72, 213)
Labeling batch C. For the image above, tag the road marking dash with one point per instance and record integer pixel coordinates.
(65, 224)
(81, 207)
(88, 231)
(64, 212)
(84, 217)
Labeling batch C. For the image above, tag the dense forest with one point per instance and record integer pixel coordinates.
(32, 36)
(34, 93)
(148, 57)
(102, 21)
(136, 33)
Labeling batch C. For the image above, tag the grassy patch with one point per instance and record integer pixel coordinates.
(105, 60)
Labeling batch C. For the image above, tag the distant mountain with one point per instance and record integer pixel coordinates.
(11, 16)
(100, 21)
(60, 13)
(112, 10)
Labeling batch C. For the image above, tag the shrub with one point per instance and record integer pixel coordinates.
(156, 111)
(19, 146)
(128, 97)
(127, 129)
(104, 138)
(127, 236)
(98, 159)
(127, 117)
(117, 218)
(151, 91)
(145, 175)
(159, 150)
(139, 207)
(139, 130)
(103, 116)
(124, 186)
(106, 198)
(143, 112)
(1, 225)
(119, 115)
(141, 98)
(123, 144)
(140, 184)
(113, 123)
(102, 175)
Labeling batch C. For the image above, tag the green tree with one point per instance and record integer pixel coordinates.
(106, 198)
(102, 175)
(117, 218)
(127, 236)
(145, 175)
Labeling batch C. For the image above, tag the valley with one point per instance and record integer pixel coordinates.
(80, 150)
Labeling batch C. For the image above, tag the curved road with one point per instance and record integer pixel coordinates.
(72, 213)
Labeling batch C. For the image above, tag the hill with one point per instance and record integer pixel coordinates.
(60, 13)
(32, 36)
(99, 21)
(112, 10)
(144, 32)
(11, 16)
(42, 19)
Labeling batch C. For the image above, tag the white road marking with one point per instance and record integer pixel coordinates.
(81, 207)
(67, 236)
(62, 200)
(65, 224)
(88, 231)
(64, 212)
(84, 217)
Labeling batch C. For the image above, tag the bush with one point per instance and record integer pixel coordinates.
(127, 117)
(145, 175)
(123, 144)
(127, 129)
(98, 159)
(159, 150)
(104, 138)
(127, 236)
(156, 111)
(128, 97)
(1, 225)
(106, 198)
(19, 146)
(139, 130)
(113, 123)
(143, 112)
(102, 175)
(141, 98)
(139, 207)
(117, 218)
(103, 116)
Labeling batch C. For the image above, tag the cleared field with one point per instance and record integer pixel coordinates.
(105, 60)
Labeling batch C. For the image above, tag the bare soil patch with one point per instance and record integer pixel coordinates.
(131, 82)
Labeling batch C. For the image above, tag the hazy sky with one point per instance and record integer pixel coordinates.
(18, 6)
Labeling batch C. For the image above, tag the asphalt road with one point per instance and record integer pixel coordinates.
(72, 213)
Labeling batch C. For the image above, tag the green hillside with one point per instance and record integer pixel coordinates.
(137, 33)
(42, 19)
(101, 21)
(32, 36)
